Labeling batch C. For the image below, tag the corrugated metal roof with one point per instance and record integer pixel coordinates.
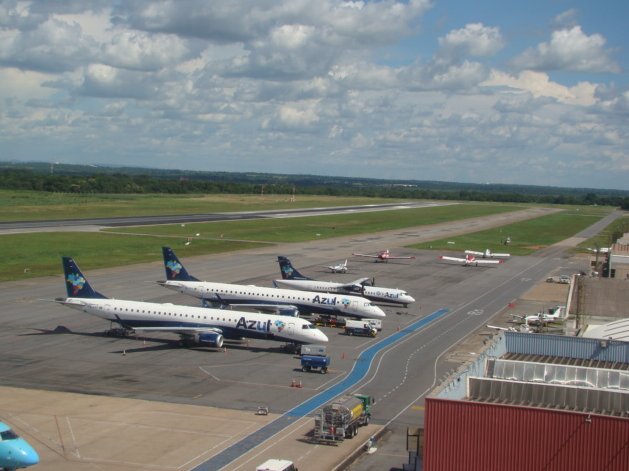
(564, 375)
(494, 437)
(590, 400)
(616, 330)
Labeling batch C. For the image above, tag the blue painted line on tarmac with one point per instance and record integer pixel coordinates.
(360, 369)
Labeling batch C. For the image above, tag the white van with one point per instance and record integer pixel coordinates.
(276, 465)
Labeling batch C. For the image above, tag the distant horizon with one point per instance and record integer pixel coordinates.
(375, 179)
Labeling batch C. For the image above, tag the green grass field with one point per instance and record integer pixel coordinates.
(607, 235)
(37, 254)
(37, 206)
(526, 236)
(321, 227)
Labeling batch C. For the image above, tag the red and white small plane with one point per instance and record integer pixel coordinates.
(470, 260)
(383, 256)
(487, 254)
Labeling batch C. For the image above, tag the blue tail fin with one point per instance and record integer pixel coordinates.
(174, 269)
(76, 284)
(288, 271)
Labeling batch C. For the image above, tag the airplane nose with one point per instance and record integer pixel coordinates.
(28, 456)
(321, 337)
(377, 312)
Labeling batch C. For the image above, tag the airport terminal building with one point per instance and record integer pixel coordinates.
(532, 401)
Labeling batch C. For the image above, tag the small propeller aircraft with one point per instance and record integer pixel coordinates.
(487, 254)
(470, 260)
(384, 256)
(340, 268)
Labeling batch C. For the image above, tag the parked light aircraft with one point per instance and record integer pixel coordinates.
(542, 318)
(340, 268)
(15, 452)
(383, 256)
(291, 278)
(487, 254)
(599, 249)
(198, 325)
(470, 260)
(178, 279)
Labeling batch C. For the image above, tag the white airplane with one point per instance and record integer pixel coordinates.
(340, 268)
(178, 279)
(487, 254)
(600, 249)
(197, 325)
(470, 260)
(542, 318)
(383, 256)
(292, 279)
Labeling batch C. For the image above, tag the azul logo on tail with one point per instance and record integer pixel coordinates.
(174, 267)
(77, 282)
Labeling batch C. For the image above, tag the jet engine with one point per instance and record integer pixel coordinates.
(210, 339)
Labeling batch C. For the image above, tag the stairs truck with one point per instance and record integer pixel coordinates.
(340, 419)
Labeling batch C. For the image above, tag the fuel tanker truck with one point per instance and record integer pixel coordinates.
(341, 418)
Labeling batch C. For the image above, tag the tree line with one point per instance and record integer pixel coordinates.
(178, 182)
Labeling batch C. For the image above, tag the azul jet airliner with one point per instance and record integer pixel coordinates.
(178, 279)
(15, 452)
(292, 279)
(198, 325)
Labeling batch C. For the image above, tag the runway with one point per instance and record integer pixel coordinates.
(45, 346)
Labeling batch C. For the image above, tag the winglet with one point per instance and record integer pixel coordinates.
(77, 285)
(174, 268)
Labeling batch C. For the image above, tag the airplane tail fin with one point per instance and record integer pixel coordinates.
(288, 271)
(174, 268)
(77, 285)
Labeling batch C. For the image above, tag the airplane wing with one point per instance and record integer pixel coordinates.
(500, 254)
(474, 252)
(391, 257)
(454, 259)
(486, 262)
(364, 255)
(178, 330)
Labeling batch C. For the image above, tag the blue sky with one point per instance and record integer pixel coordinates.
(530, 92)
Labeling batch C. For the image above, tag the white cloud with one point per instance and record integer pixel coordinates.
(474, 39)
(334, 87)
(540, 85)
(141, 51)
(569, 49)
(53, 46)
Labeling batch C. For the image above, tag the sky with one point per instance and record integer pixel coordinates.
(514, 92)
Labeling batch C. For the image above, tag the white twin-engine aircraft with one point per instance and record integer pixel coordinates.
(487, 254)
(291, 278)
(198, 325)
(178, 279)
(340, 268)
(470, 260)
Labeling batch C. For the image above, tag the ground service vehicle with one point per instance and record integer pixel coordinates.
(362, 327)
(276, 465)
(340, 419)
(315, 362)
(309, 349)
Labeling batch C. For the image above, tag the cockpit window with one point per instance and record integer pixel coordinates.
(8, 435)
(307, 326)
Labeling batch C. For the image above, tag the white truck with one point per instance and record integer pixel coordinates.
(360, 327)
(276, 465)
